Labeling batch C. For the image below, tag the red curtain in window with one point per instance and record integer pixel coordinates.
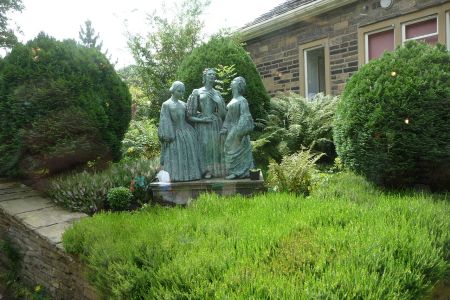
(380, 42)
(421, 28)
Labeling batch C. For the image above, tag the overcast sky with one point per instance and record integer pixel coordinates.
(62, 19)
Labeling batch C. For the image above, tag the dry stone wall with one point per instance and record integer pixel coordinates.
(35, 226)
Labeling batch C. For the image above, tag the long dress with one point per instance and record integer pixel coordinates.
(203, 103)
(179, 151)
(238, 149)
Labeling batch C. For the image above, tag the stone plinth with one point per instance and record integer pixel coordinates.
(185, 192)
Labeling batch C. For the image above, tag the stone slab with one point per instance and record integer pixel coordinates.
(184, 192)
(12, 190)
(54, 232)
(48, 216)
(7, 185)
(19, 195)
(17, 206)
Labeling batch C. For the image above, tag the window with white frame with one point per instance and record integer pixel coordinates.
(425, 30)
(314, 71)
(376, 43)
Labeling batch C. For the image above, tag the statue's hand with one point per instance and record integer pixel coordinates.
(207, 119)
(167, 140)
(223, 131)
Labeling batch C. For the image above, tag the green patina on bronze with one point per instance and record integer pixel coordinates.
(179, 146)
(218, 144)
(207, 110)
(237, 126)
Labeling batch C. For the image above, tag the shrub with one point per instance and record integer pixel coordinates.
(69, 89)
(87, 192)
(119, 198)
(141, 140)
(60, 141)
(225, 51)
(392, 122)
(294, 174)
(295, 123)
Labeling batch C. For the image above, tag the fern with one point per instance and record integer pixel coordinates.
(295, 123)
(294, 174)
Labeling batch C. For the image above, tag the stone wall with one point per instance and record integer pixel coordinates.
(34, 226)
(276, 55)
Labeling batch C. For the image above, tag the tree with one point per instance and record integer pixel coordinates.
(159, 53)
(89, 37)
(7, 36)
(140, 103)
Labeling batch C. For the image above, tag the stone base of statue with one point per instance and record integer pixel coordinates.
(184, 192)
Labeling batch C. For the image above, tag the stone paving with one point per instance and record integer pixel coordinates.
(36, 212)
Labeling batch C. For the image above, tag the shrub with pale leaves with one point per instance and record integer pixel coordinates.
(295, 173)
(87, 192)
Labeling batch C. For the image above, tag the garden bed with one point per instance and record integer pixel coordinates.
(346, 240)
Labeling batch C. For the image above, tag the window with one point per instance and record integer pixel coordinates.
(314, 71)
(425, 30)
(314, 68)
(430, 25)
(379, 42)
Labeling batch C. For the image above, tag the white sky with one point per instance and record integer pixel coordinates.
(62, 19)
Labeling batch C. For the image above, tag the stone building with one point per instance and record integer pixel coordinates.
(311, 46)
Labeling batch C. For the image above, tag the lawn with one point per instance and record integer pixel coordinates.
(346, 240)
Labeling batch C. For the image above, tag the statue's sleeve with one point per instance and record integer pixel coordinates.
(227, 123)
(245, 124)
(221, 106)
(165, 130)
(192, 104)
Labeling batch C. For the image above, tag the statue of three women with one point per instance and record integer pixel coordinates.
(217, 144)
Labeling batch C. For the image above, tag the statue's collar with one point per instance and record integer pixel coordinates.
(204, 90)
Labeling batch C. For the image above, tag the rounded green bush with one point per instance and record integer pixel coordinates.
(61, 104)
(226, 51)
(119, 198)
(392, 124)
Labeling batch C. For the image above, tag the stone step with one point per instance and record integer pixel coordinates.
(48, 216)
(37, 213)
(21, 205)
(7, 185)
(13, 190)
(18, 195)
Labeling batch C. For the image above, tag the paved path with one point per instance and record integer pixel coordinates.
(36, 212)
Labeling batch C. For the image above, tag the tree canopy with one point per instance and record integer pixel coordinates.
(89, 37)
(7, 36)
(169, 40)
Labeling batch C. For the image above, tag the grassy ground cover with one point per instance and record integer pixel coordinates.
(346, 240)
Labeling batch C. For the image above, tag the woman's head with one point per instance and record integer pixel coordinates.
(209, 72)
(240, 84)
(177, 89)
(176, 85)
